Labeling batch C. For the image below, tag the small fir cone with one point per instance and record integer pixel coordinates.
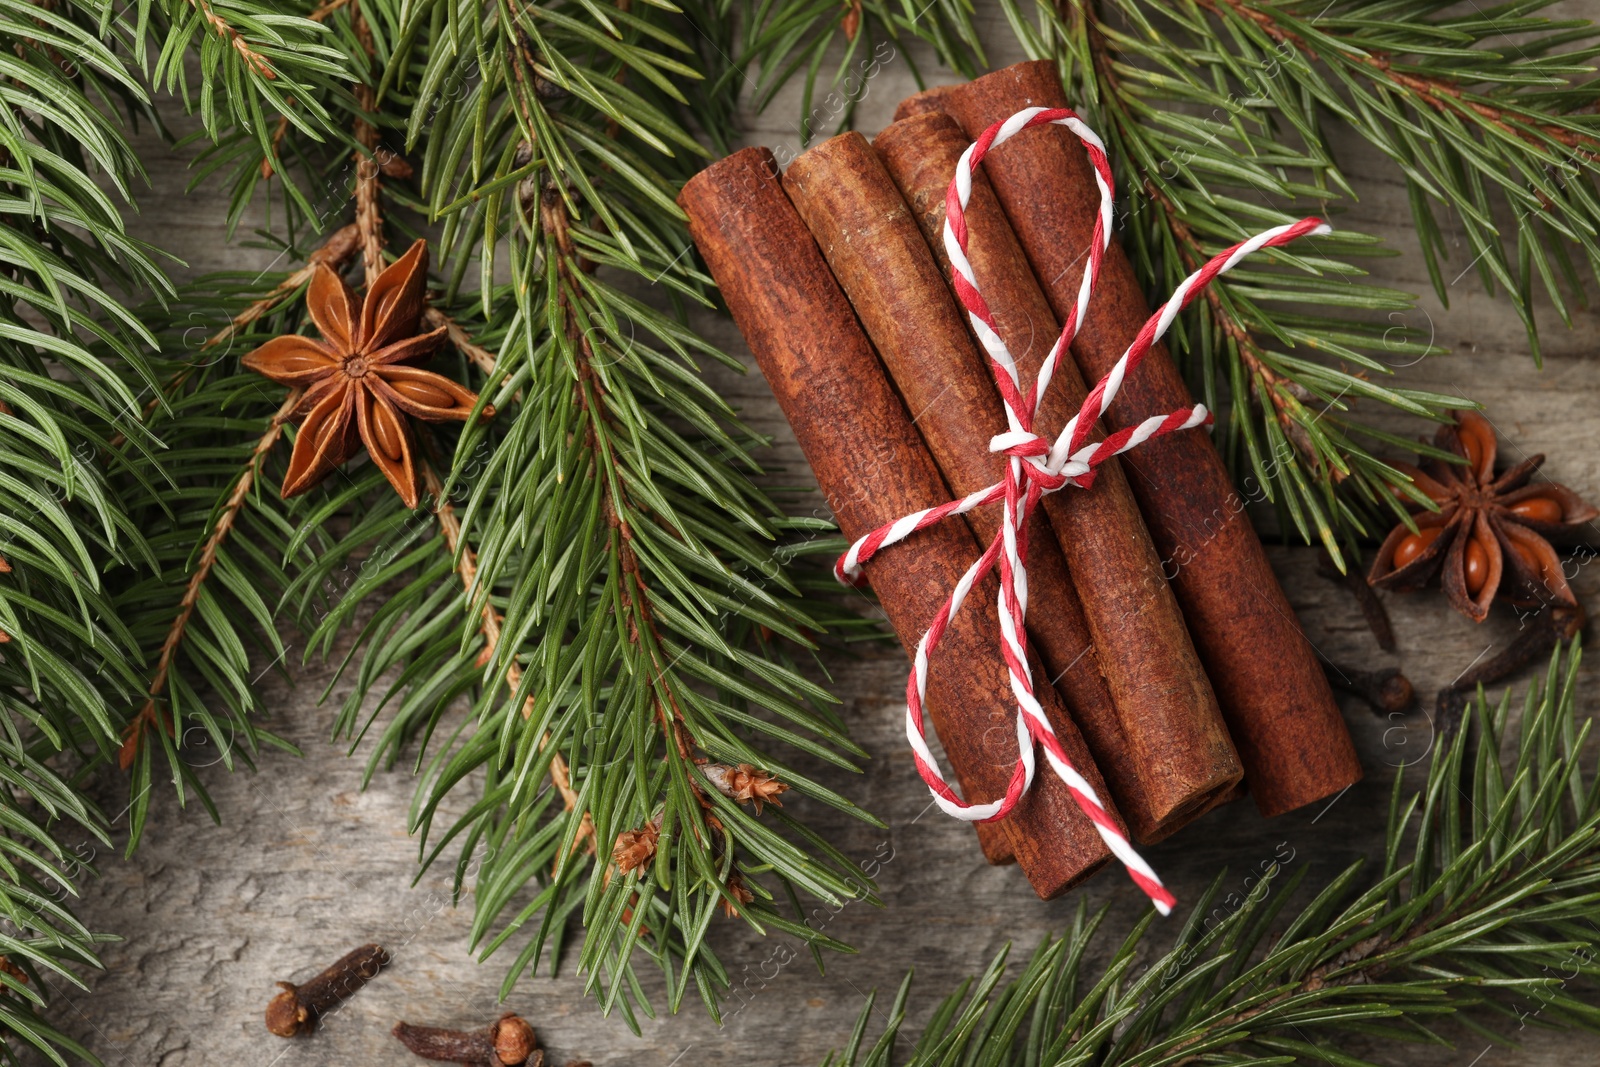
(635, 849)
(744, 783)
(740, 892)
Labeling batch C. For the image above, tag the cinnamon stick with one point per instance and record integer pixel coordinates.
(1283, 717)
(850, 204)
(873, 467)
(931, 101)
(1166, 754)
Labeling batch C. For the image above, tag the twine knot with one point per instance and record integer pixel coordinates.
(1035, 450)
(1035, 467)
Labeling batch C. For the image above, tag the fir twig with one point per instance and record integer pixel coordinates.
(234, 38)
(149, 715)
(481, 357)
(490, 627)
(334, 251)
(1482, 908)
(369, 212)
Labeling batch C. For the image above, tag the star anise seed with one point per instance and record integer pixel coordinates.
(363, 377)
(1491, 533)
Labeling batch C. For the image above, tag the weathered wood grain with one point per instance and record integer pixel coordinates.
(308, 865)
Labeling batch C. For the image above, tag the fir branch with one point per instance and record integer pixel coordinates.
(233, 37)
(628, 624)
(149, 715)
(1482, 112)
(333, 252)
(481, 357)
(794, 37)
(1493, 915)
(369, 212)
(1440, 92)
(490, 627)
(254, 59)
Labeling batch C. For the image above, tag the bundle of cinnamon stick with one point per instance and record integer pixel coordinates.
(1178, 674)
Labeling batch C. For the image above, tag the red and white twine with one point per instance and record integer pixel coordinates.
(1038, 466)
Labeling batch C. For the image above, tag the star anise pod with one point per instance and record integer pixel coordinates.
(363, 377)
(1491, 533)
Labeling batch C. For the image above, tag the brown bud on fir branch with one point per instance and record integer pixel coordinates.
(7, 967)
(636, 848)
(744, 783)
(740, 892)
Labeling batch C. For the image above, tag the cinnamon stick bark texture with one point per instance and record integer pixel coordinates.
(877, 253)
(931, 101)
(1278, 706)
(873, 467)
(1167, 754)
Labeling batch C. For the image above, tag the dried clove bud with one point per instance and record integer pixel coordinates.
(509, 1041)
(1386, 691)
(297, 1009)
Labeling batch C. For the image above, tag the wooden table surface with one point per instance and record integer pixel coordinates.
(307, 865)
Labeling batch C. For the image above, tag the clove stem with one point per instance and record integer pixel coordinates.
(297, 1009)
(1386, 691)
(509, 1041)
(1551, 626)
(1372, 608)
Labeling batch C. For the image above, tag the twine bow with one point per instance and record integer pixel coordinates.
(1038, 466)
